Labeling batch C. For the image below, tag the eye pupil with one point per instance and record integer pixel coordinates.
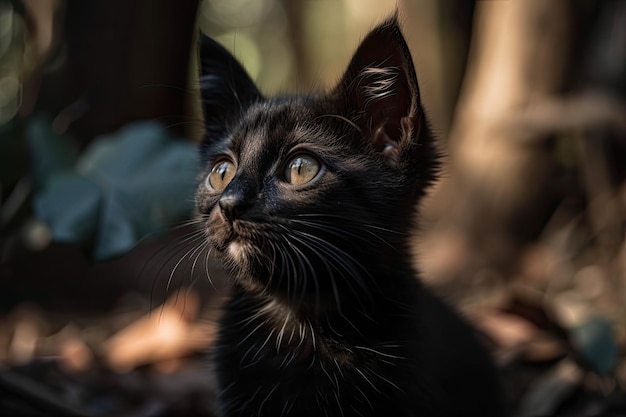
(299, 163)
(222, 170)
(302, 169)
(221, 174)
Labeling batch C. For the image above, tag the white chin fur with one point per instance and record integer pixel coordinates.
(237, 251)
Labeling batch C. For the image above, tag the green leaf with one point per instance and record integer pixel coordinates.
(124, 187)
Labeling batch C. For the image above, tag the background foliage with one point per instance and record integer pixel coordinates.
(99, 116)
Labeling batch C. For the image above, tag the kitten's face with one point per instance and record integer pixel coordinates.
(301, 194)
(287, 183)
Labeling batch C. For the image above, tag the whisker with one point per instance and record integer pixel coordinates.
(186, 123)
(343, 232)
(347, 261)
(304, 262)
(345, 119)
(193, 276)
(326, 265)
(379, 353)
(175, 251)
(206, 265)
(190, 253)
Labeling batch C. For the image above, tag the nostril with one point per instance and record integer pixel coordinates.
(228, 204)
(237, 198)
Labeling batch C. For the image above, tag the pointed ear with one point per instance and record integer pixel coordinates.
(379, 91)
(226, 89)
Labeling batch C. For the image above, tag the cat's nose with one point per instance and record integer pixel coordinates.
(232, 204)
(228, 204)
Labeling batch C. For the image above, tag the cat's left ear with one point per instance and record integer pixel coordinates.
(225, 87)
(380, 94)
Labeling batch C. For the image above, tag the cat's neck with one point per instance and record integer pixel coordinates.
(390, 291)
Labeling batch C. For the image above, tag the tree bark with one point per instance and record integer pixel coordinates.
(491, 198)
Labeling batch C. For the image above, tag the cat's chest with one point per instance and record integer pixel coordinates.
(280, 343)
(300, 370)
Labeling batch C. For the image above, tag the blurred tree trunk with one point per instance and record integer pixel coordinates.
(486, 205)
(295, 21)
(438, 33)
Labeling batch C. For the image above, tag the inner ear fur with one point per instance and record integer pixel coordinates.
(379, 90)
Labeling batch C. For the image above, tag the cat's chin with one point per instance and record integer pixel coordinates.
(236, 256)
(237, 251)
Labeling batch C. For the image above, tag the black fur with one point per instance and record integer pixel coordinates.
(327, 316)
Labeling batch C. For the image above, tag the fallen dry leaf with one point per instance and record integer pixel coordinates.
(75, 355)
(515, 336)
(168, 333)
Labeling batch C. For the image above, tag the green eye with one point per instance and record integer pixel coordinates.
(221, 174)
(301, 169)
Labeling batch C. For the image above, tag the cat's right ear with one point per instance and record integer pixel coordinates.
(226, 88)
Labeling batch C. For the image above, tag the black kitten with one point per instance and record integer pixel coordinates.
(308, 201)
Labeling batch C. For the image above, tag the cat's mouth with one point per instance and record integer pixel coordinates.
(231, 240)
(232, 248)
(242, 244)
(222, 241)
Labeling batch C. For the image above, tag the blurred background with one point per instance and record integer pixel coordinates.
(106, 306)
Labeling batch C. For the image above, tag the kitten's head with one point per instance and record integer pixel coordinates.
(309, 195)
